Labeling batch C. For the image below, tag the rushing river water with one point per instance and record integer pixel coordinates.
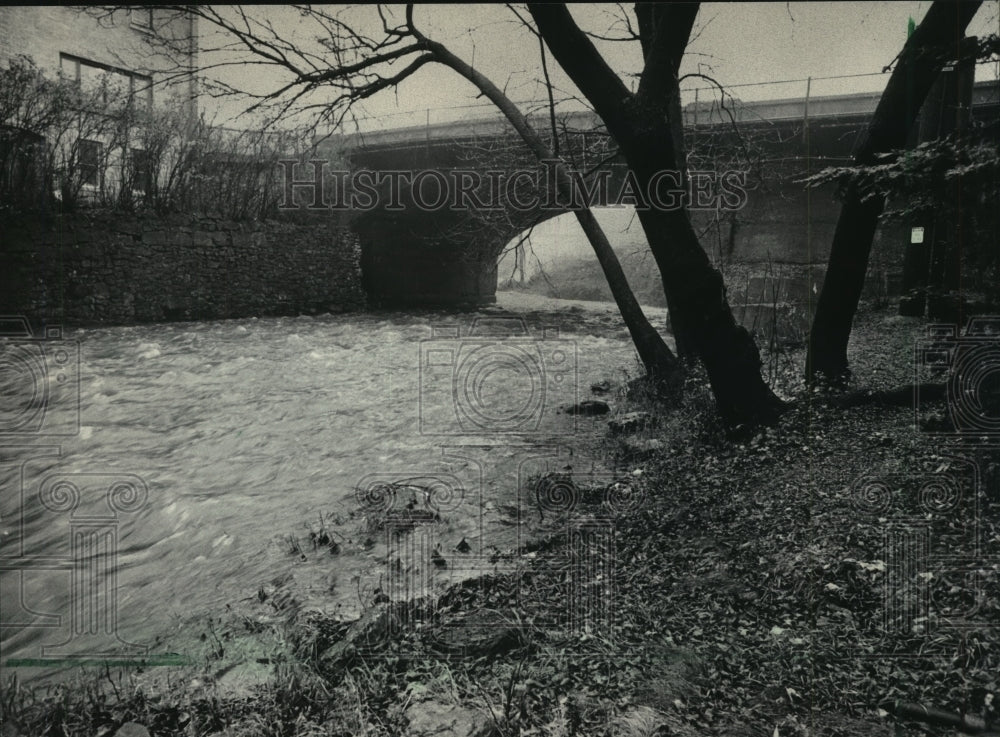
(204, 449)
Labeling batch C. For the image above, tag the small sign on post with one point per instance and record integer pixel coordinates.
(916, 235)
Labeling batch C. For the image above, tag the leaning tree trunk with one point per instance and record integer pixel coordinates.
(641, 125)
(919, 64)
(660, 363)
(726, 349)
(683, 338)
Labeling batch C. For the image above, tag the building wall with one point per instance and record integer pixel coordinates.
(112, 268)
(46, 32)
(124, 61)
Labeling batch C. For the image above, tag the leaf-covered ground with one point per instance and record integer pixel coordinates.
(798, 583)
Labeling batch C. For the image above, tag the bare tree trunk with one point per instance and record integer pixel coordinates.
(683, 340)
(680, 20)
(659, 362)
(641, 124)
(920, 62)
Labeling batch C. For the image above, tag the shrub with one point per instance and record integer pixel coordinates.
(62, 147)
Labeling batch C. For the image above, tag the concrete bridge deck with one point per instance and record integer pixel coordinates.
(695, 114)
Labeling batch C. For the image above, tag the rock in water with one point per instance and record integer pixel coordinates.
(589, 408)
(631, 422)
(643, 446)
(132, 729)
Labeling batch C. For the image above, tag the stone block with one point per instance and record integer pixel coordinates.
(202, 239)
(154, 238)
(242, 240)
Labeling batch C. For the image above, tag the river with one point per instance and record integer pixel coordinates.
(205, 449)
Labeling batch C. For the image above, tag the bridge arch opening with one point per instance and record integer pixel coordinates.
(555, 259)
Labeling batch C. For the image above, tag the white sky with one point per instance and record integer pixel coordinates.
(755, 44)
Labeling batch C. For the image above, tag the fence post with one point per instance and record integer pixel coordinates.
(805, 117)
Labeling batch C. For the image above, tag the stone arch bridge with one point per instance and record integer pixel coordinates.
(422, 248)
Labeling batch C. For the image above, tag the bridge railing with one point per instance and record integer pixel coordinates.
(704, 104)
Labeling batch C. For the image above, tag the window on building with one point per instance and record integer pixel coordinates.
(141, 92)
(89, 77)
(141, 18)
(110, 84)
(142, 171)
(21, 160)
(89, 161)
(117, 87)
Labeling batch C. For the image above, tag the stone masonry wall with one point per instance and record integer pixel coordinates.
(110, 268)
